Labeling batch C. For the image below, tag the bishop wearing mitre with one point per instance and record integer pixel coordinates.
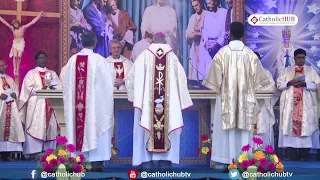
(37, 114)
(11, 131)
(120, 63)
(157, 87)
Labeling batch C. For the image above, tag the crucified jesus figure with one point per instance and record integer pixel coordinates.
(18, 41)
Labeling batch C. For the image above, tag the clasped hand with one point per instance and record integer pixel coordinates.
(50, 87)
(4, 96)
(296, 83)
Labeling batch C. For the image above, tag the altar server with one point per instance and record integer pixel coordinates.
(266, 117)
(298, 108)
(235, 74)
(157, 86)
(88, 102)
(11, 131)
(121, 64)
(38, 116)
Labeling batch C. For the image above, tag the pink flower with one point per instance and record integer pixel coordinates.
(246, 148)
(263, 161)
(233, 161)
(112, 139)
(62, 160)
(252, 161)
(271, 167)
(269, 149)
(62, 140)
(211, 131)
(47, 168)
(245, 164)
(54, 163)
(204, 137)
(257, 140)
(71, 148)
(72, 160)
(49, 151)
(261, 168)
(43, 159)
(81, 158)
(77, 168)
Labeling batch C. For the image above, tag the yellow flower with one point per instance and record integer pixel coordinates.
(83, 169)
(259, 155)
(205, 150)
(232, 166)
(242, 157)
(114, 152)
(49, 158)
(62, 152)
(275, 158)
(78, 159)
(280, 167)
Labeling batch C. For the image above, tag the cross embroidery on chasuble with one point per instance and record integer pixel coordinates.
(159, 115)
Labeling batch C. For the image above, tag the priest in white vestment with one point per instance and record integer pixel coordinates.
(88, 103)
(141, 45)
(120, 64)
(266, 118)
(11, 130)
(299, 117)
(235, 75)
(38, 116)
(162, 18)
(157, 87)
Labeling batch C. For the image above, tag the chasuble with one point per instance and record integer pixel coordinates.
(122, 67)
(11, 130)
(235, 75)
(88, 104)
(157, 87)
(299, 108)
(37, 115)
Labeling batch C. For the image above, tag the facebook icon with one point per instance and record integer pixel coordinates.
(33, 173)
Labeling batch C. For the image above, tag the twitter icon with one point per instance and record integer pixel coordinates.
(234, 174)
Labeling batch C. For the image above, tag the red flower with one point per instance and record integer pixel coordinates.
(49, 152)
(62, 140)
(245, 164)
(72, 160)
(198, 151)
(269, 149)
(71, 148)
(62, 160)
(43, 159)
(81, 156)
(261, 168)
(209, 154)
(77, 168)
(246, 148)
(54, 163)
(112, 139)
(257, 140)
(252, 161)
(271, 167)
(211, 131)
(47, 168)
(204, 137)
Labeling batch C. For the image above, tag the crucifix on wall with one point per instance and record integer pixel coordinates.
(18, 32)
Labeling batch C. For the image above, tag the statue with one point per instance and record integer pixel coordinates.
(286, 54)
(18, 41)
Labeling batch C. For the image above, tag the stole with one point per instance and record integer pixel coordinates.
(297, 106)
(80, 98)
(5, 85)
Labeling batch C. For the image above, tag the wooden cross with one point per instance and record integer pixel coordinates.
(19, 13)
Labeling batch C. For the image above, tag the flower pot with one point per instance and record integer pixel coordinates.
(252, 170)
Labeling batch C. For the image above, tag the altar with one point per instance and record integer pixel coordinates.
(197, 121)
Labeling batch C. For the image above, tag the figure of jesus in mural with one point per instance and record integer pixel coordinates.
(18, 41)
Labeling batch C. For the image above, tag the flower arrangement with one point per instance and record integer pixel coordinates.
(205, 143)
(51, 159)
(263, 158)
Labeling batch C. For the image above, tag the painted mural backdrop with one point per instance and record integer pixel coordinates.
(274, 42)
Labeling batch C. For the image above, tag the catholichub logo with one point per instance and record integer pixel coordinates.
(273, 20)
